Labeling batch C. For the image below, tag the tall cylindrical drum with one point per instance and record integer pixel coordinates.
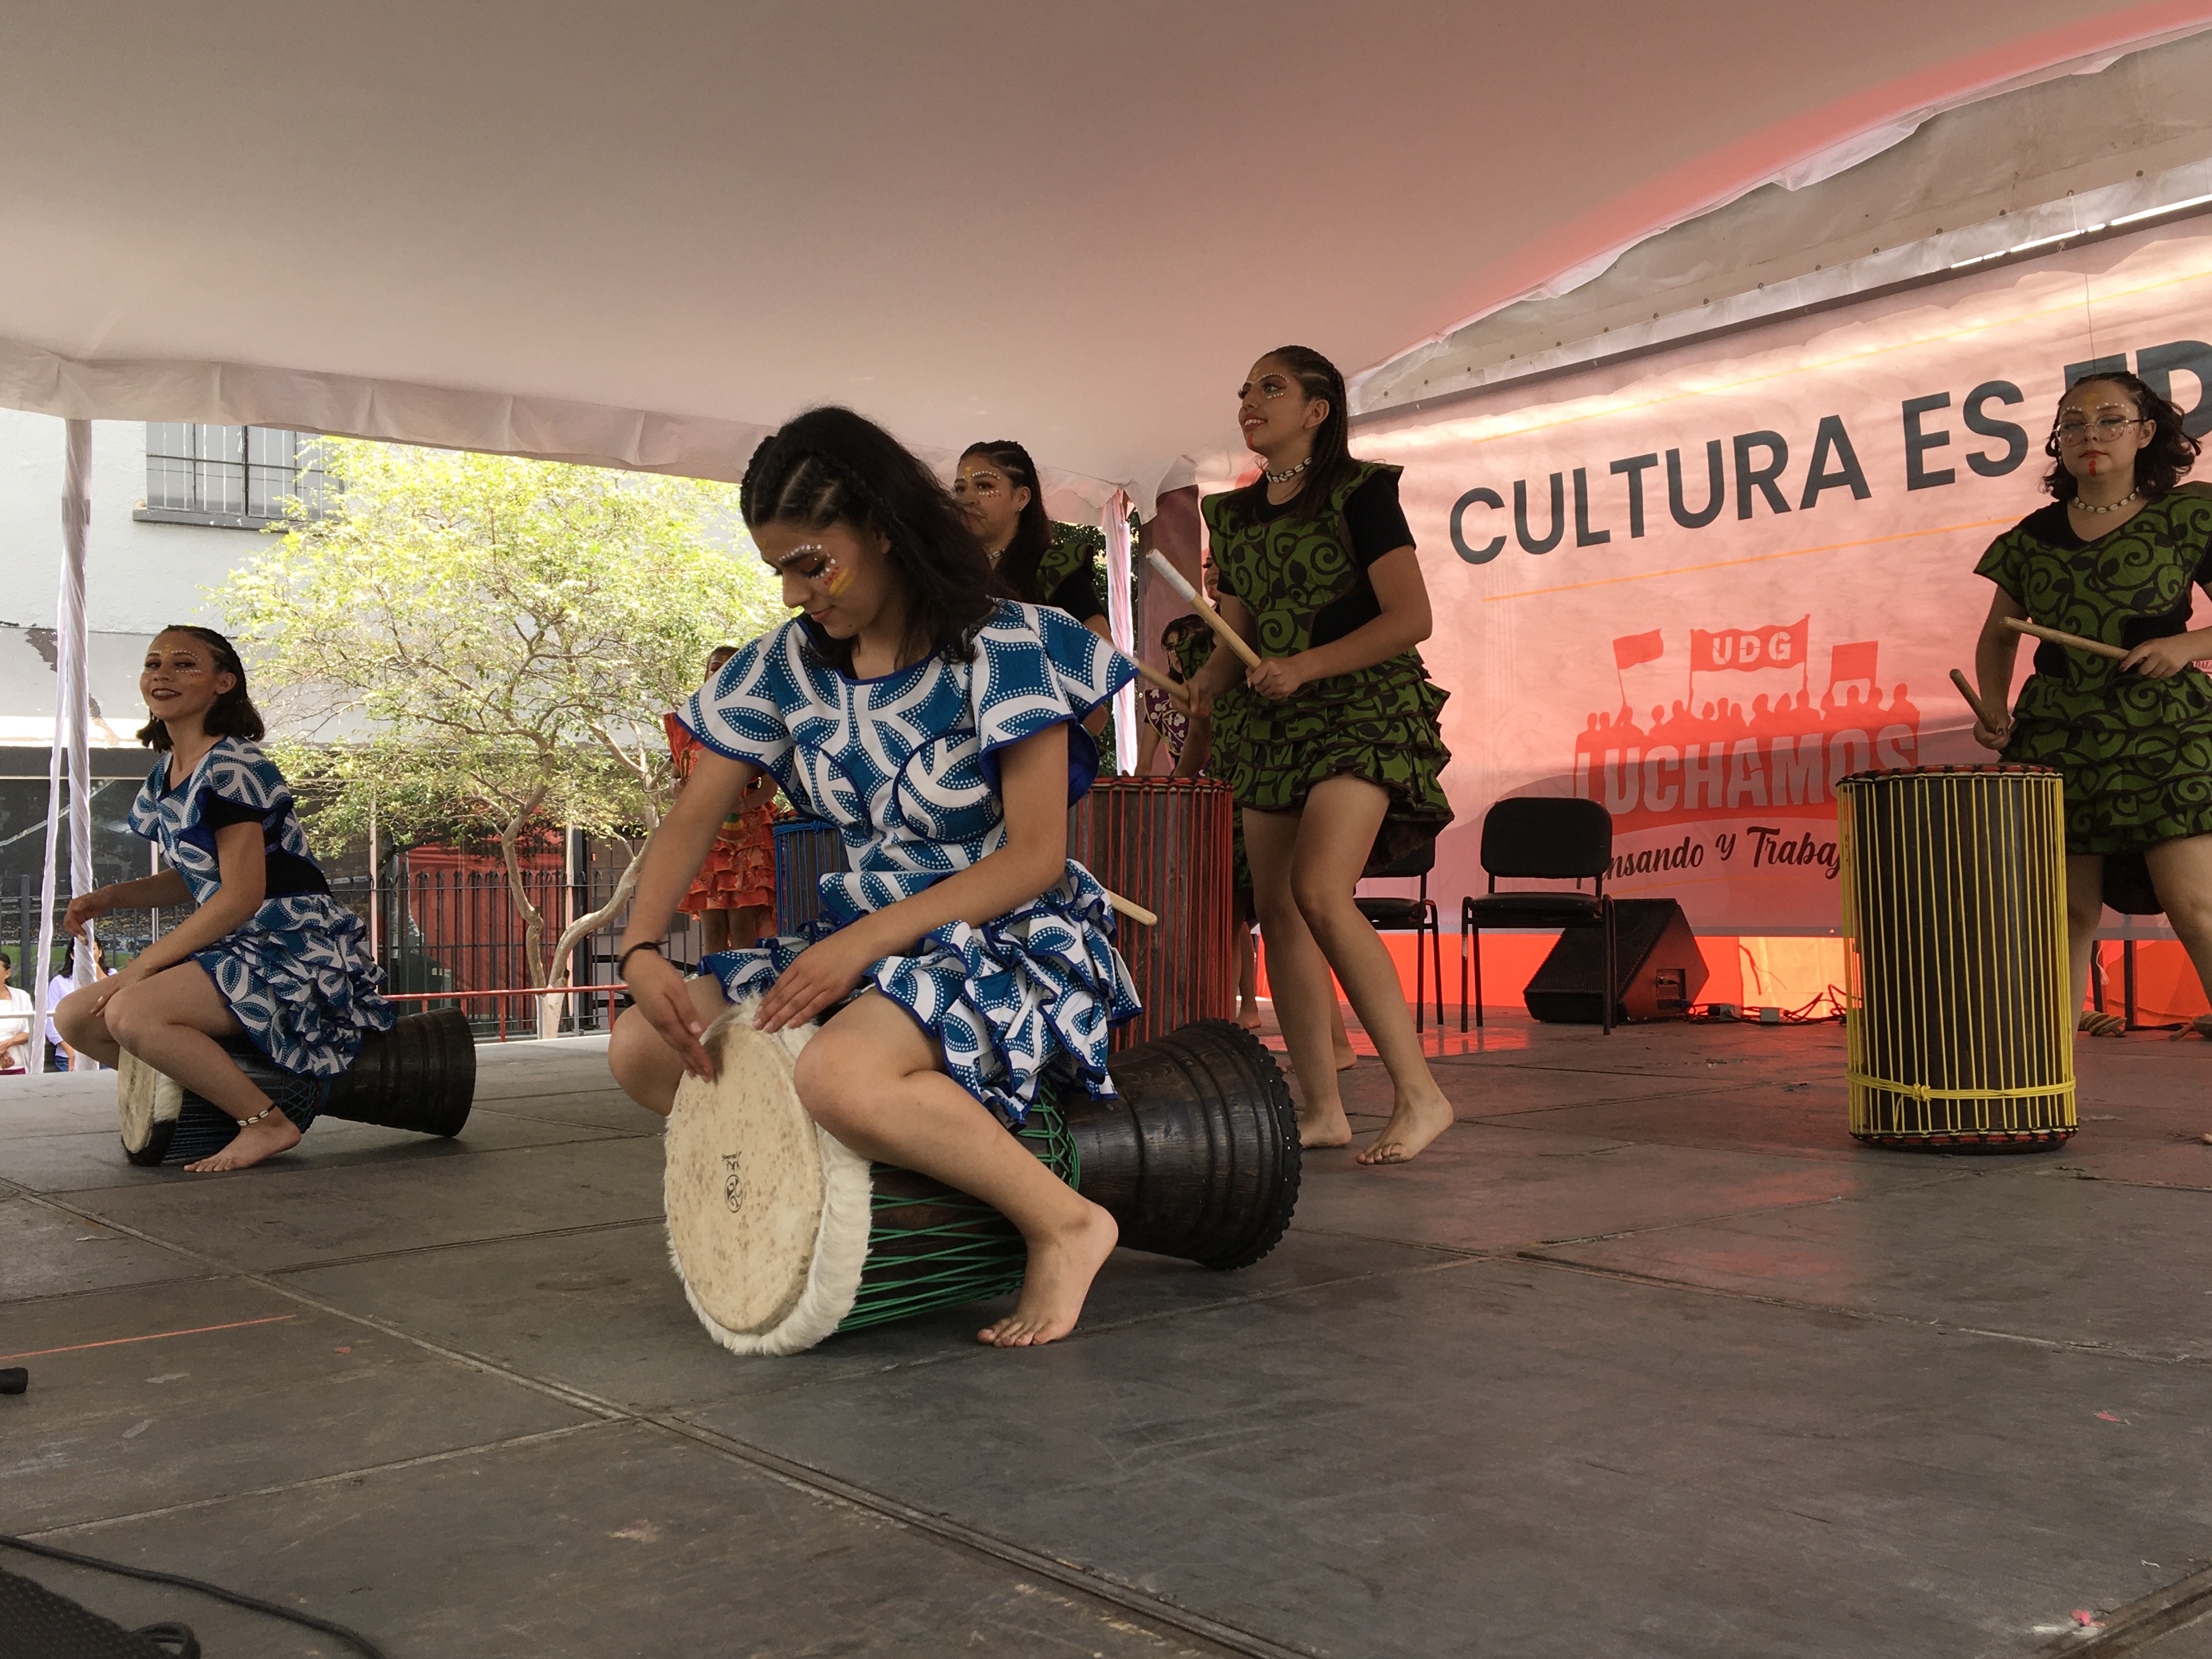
(1960, 1032)
(1165, 842)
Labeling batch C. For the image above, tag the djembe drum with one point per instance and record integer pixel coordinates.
(1166, 843)
(1960, 1035)
(781, 1235)
(419, 1075)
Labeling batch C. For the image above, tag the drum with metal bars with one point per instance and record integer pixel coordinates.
(1960, 1032)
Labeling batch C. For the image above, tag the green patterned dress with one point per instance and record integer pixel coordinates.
(1071, 577)
(2135, 753)
(1378, 723)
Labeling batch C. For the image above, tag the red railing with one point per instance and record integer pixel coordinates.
(528, 1017)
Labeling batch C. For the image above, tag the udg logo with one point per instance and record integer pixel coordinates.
(730, 1194)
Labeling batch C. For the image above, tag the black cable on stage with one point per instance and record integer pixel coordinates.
(251, 1604)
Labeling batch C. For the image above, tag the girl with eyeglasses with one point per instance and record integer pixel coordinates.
(965, 960)
(2113, 558)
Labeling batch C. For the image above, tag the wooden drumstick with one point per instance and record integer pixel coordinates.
(1131, 908)
(1178, 691)
(2059, 636)
(1974, 702)
(1230, 636)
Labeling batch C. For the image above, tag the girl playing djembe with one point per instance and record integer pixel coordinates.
(2114, 559)
(1331, 745)
(965, 959)
(268, 954)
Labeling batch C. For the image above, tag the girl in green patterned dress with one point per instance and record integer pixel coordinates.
(2114, 559)
(1331, 744)
(1041, 561)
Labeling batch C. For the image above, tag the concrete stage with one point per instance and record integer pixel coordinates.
(1645, 1357)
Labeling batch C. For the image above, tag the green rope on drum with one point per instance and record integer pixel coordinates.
(932, 1247)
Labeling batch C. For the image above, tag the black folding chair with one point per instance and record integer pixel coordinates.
(1416, 916)
(1540, 838)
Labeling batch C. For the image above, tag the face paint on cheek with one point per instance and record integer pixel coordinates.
(835, 578)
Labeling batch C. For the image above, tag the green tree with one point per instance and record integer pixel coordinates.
(509, 631)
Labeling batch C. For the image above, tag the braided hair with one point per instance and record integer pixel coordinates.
(1032, 540)
(831, 466)
(232, 715)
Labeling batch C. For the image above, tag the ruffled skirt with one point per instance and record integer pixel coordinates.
(2135, 754)
(1029, 994)
(299, 979)
(1377, 723)
(739, 872)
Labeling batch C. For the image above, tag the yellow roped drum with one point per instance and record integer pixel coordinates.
(1962, 1037)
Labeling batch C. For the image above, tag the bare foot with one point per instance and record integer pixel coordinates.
(1326, 1129)
(1346, 1060)
(274, 1133)
(1059, 1278)
(1412, 1126)
(1248, 1016)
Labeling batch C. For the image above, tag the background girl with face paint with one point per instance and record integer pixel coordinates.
(1041, 561)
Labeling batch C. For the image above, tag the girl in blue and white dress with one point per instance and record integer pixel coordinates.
(964, 958)
(268, 953)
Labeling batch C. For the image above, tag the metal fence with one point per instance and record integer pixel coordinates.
(449, 934)
(446, 929)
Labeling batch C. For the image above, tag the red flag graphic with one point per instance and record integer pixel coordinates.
(1853, 662)
(1780, 645)
(1633, 648)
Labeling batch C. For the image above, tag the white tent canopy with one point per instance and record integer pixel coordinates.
(642, 234)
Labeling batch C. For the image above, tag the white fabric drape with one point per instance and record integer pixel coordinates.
(1122, 625)
(72, 711)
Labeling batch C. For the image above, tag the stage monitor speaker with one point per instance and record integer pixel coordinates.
(1659, 969)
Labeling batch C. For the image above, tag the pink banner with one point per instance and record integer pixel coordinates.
(1703, 586)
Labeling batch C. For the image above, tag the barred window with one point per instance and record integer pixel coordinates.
(236, 476)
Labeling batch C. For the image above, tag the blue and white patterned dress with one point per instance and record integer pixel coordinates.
(297, 974)
(905, 767)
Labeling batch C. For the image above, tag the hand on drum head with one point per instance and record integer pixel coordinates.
(825, 974)
(663, 997)
(1994, 739)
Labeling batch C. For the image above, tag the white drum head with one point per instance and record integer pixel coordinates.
(767, 1216)
(144, 1098)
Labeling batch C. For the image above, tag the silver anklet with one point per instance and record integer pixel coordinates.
(248, 1122)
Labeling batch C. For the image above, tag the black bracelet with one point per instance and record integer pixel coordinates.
(621, 961)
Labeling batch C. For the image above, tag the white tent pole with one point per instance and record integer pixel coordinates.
(71, 712)
(1121, 625)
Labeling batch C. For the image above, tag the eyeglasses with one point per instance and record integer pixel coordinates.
(2071, 434)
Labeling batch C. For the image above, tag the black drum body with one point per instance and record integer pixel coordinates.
(1197, 1158)
(421, 1075)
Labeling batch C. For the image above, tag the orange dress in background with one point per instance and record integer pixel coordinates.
(740, 868)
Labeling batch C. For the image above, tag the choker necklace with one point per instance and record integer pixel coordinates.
(2075, 503)
(1288, 472)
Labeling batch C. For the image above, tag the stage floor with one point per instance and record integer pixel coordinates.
(1645, 1357)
